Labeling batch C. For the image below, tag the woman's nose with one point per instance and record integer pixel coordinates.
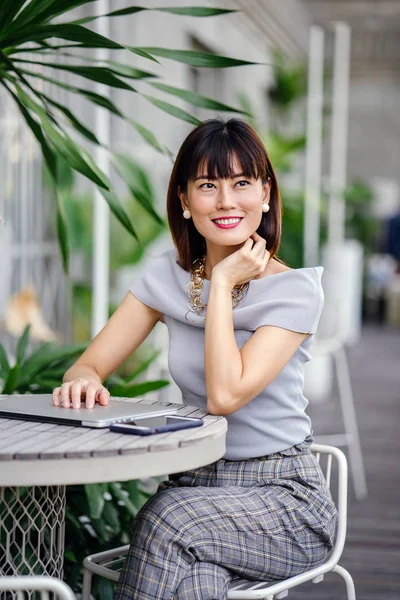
(225, 199)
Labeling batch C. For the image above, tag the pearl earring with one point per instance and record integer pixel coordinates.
(265, 207)
(187, 214)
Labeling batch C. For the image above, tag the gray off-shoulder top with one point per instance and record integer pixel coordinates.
(275, 419)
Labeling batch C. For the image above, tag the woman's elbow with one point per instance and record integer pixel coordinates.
(221, 405)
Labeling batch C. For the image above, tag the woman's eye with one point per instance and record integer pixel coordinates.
(207, 186)
(242, 183)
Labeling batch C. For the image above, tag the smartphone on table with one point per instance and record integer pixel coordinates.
(153, 425)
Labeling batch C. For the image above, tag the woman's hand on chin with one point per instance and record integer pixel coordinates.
(243, 265)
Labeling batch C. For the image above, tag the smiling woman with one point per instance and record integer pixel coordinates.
(240, 325)
(222, 171)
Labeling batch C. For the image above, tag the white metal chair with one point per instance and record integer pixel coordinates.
(44, 585)
(108, 564)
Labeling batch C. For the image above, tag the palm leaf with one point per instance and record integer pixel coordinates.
(72, 119)
(48, 154)
(197, 59)
(41, 11)
(22, 345)
(8, 10)
(187, 11)
(105, 102)
(195, 99)
(138, 389)
(114, 66)
(11, 379)
(172, 110)
(48, 354)
(4, 364)
(98, 74)
(62, 231)
(64, 31)
(117, 209)
(130, 173)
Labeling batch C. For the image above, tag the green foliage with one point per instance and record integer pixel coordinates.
(41, 370)
(360, 222)
(38, 372)
(290, 83)
(35, 33)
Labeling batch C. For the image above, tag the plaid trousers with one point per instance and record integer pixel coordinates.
(261, 519)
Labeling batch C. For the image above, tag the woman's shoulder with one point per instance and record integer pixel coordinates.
(279, 272)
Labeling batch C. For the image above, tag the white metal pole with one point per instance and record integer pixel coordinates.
(339, 134)
(101, 213)
(312, 189)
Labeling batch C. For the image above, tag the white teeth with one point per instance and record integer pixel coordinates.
(226, 221)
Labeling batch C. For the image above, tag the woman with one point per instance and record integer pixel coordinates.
(240, 324)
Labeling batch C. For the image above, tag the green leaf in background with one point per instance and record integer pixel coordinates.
(95, 498)
(37, 131)
(172, 110)
(118, 210)
(8, 10)
(79, 126)
(11, 380)
(196, 11)
(73, 155)
(46, 355)
(41, 11)
(195, 99)
(62, 231)
(147, 135)
(22, 345)
(65, 31)
(138, 389)
(198, 59)
(133, 176)
(187, 11)
(102, 75)
(120, 495)
(4, 364)
(142, 367)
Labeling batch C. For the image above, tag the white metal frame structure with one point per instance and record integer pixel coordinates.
(108, 564)
(45, 585)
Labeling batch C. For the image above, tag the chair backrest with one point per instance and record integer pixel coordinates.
(326, 455)
(44, 585)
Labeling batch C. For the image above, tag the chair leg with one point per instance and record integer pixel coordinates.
(350, 589)
(350, 423)
(86, 584)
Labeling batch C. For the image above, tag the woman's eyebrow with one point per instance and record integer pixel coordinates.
(233, 176)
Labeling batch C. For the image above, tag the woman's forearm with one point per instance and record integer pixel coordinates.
(222, 359)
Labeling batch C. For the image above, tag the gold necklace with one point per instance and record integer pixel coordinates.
(195, 288)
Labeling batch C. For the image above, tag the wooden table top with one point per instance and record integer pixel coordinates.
(33, 453)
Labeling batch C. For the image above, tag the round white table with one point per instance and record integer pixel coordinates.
(37, 461)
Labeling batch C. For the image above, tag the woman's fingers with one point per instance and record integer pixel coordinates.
(103, 396)
(56, 396)
(71, 394)
(76, 394)
(91, 391)
(65, 398)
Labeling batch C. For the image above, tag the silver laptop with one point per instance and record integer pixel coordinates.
(39, 407)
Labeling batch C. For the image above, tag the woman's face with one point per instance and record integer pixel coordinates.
(226, 212)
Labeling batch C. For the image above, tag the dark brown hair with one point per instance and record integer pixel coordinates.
(213, 145)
